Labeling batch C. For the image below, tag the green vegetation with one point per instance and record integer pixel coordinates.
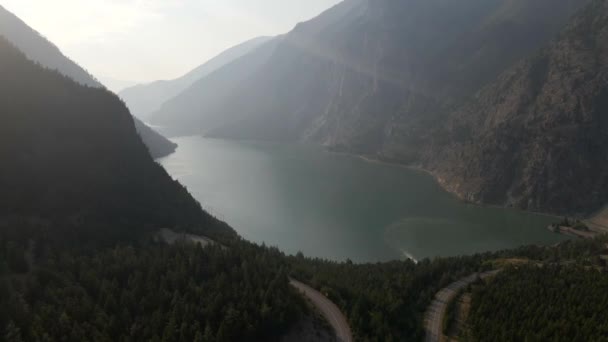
(14, 254)
(450, 315)
(73, 164)
(79, 187)
(190, 293)
(581, 226)
(153, 292)
(550, 303)
(384, 301)
(575, 224)
(81, 199)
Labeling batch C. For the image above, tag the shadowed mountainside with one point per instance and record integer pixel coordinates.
(50, 127)
(39, 49)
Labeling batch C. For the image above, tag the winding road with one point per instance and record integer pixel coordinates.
(434, 316)
(328, 309)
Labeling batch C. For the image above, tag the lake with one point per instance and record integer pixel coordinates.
(335, 206)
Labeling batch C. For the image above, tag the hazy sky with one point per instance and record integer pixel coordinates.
(144, 40)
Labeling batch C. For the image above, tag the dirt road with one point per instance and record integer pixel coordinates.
(434, 316)
(329, 310)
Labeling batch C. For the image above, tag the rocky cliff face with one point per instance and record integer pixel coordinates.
(373, 76)
(537, 138)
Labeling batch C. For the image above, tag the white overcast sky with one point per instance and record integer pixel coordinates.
(145, 40)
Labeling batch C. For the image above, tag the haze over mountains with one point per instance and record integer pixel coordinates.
(39, 49)
(199, 108)
(145, 99)
(391, 80)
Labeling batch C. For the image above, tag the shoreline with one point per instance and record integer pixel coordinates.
(598, 228)
(591, 220)
(455, 195)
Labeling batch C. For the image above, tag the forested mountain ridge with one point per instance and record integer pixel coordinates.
(51, 127)
(39, 49)
(532, 303)
(536, 138)
(80, 206)
(157, 145)
(145, 99)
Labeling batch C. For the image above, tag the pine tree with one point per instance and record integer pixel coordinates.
(13, 333)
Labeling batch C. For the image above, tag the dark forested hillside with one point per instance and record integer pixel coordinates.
(384, 301)
(157, 145)
(541, 304)
(387, 301)
(80, 204)
(71, 153)
(39, 49)
(152, 292)
(537, 137)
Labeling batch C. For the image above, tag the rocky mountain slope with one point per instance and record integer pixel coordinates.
(366, 76)
(39, 49)
(144, 99)
(537, 137)
(71, 158)
(382, 77)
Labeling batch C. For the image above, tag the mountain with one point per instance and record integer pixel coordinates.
(371, 76)
(157, 145)
(71, 159)
(378, 78)
(39, 49)
(144, 99)
(116, 85)
(537, 137)
(199, 107)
